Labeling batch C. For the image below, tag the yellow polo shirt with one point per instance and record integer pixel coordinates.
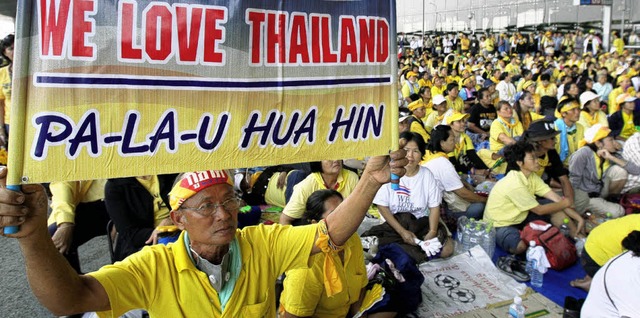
(347, 181)
(457, 104)
(273, 195)
(497, 128)
(163, 280)
(512, 197)
(604, 240)
(435, 90)
(304, 294)
(586, 120)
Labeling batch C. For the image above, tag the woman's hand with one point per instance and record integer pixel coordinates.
(408, 237)
(63, 236)
(430, 235)
(153, 239)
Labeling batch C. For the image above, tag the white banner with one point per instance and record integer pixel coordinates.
(463, 283)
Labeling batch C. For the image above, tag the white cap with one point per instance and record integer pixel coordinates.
(587, 97)
(438, 99)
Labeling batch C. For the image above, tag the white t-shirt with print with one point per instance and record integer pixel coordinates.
(416, 194)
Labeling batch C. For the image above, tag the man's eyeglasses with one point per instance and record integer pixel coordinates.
(209, 208)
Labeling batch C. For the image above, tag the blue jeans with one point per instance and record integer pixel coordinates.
(475, 210)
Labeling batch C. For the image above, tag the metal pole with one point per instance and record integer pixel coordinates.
(624, 9)
(423, 21)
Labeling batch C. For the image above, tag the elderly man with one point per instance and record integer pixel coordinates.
(213, 270)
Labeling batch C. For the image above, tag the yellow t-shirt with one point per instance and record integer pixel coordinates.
(586, 120)
(417, 128)
(273, 195)
(573, 140)
(457, 104)
(489, 45)
(604, 240)
(163, 280)
(160, 209)
(628, 127)
(619, 45)
(497, 128)
(550, 90)
(424, 83)
(464, 44)
(304, 293)
(512, 197)
(5, 92)
(435, 90)
(65, 196)
(465, 144)
(406, 89)
(347, 181)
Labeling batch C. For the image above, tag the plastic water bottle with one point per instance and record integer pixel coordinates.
(536, 276)
(470, 179)
(466, 237)
(564, 228)
(580, 245)
(527, 269)
(489, 239)
(516, 310)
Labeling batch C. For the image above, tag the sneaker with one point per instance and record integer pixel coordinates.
(513, 268)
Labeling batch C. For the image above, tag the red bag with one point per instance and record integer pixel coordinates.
(560, 251)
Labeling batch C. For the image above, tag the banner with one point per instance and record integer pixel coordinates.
(463, 283)
(106, 89)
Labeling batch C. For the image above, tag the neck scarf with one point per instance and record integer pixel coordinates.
(591, 120)
(428, 156)
(509, 124)
(564, 140)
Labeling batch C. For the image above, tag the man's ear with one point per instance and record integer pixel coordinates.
(178, 219)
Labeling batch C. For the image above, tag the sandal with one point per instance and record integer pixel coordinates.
(513, 268)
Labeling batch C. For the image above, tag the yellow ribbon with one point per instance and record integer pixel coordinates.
(428, 156)
(332, 281)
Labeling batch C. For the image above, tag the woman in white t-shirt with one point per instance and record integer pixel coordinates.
(614, 288)
(460, 197)
(412, 211)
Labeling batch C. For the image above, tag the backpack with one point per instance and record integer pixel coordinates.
(560, 251)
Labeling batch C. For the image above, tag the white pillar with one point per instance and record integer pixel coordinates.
(606, 27)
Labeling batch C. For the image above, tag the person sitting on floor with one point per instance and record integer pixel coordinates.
(460, 197)
(596, 174)
(418, 114)
(464, 157)
(613, 291)
(78, 214)
(571, 132)
(412, 211)
(631, 153)
(624, 121)
(603, 243)
(213, 270)
(137, 205)
(304, 293)
(504, 131)
(541, 134)
(437, 117)
(591, 113)
(512, 202)
(325, 174)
